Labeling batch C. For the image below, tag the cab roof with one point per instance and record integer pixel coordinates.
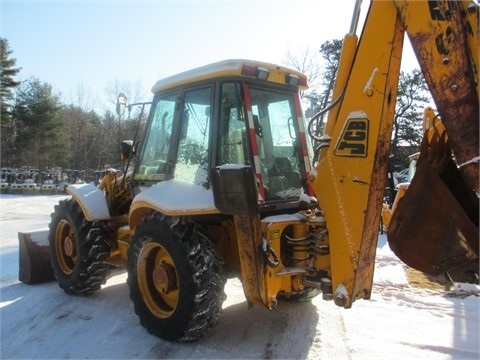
(236, 67)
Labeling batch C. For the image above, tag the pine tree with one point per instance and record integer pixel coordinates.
(412, 98)
(39, 141)
(7, 73)
(7, 84)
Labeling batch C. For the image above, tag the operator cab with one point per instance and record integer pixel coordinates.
(234, 112)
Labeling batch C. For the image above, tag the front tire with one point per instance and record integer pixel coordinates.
(78, 249)
(175, 276)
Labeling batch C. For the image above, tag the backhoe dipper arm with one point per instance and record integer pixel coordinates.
(350, 175)
(351, 172)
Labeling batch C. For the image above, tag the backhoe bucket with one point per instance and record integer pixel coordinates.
(34, 258)
(434, 229)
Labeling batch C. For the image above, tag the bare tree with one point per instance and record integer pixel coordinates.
(135, 93)
(321, 75)
(133, 89)
(307, 61)
(83, 97)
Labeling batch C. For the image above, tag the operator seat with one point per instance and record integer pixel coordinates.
(282, 176)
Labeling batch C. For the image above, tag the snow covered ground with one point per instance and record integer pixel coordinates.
(399, 321)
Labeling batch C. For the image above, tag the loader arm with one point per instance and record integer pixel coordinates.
(350, 172)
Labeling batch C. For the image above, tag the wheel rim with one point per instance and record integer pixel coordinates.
(158, 280)
(65, 247)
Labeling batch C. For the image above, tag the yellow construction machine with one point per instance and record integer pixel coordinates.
(224, 182)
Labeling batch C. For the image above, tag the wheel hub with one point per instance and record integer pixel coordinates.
(68, 246)
(164, 278)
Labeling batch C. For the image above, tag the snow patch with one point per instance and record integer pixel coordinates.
(399, 321)
(466, 289)
(179, 197)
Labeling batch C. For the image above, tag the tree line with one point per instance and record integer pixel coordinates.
(39, 131)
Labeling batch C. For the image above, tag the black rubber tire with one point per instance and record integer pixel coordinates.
(191, 304)
(78, 249)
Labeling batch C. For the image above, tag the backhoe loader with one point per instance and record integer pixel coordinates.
(224, 182)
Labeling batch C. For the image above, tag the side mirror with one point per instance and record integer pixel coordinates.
(121, 104)
(126, 149)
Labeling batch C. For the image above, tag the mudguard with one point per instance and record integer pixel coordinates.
(91, 200)
(34, 254)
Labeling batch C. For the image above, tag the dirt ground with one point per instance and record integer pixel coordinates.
(418, 279)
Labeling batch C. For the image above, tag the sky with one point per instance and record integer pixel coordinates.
(83, 47)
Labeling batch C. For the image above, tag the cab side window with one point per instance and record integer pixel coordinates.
(233, 143)
(280, 155)
(191, 165)
(156, 150)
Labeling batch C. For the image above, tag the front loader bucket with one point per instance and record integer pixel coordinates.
(434, 228)
(34, 258)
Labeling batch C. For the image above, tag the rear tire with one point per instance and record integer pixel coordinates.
(175, 276)
(78, 249)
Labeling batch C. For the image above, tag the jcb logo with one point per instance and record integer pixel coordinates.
(353, 141)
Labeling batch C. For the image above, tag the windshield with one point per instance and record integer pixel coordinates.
(176, 142)
(280, 154)
(155, 151)
(273, 147)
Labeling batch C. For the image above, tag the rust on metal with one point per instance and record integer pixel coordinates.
(443, 53)
(249, 235)
(164, 278)
(34, 259)
(435, 226)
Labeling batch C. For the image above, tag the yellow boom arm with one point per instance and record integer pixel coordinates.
(350, 173)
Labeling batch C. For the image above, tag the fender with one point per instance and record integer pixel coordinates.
(172, 198)
(92, 201)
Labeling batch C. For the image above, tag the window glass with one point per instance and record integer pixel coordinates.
(276, 126)
(156, 149)
(192, 157)
(233, 146)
